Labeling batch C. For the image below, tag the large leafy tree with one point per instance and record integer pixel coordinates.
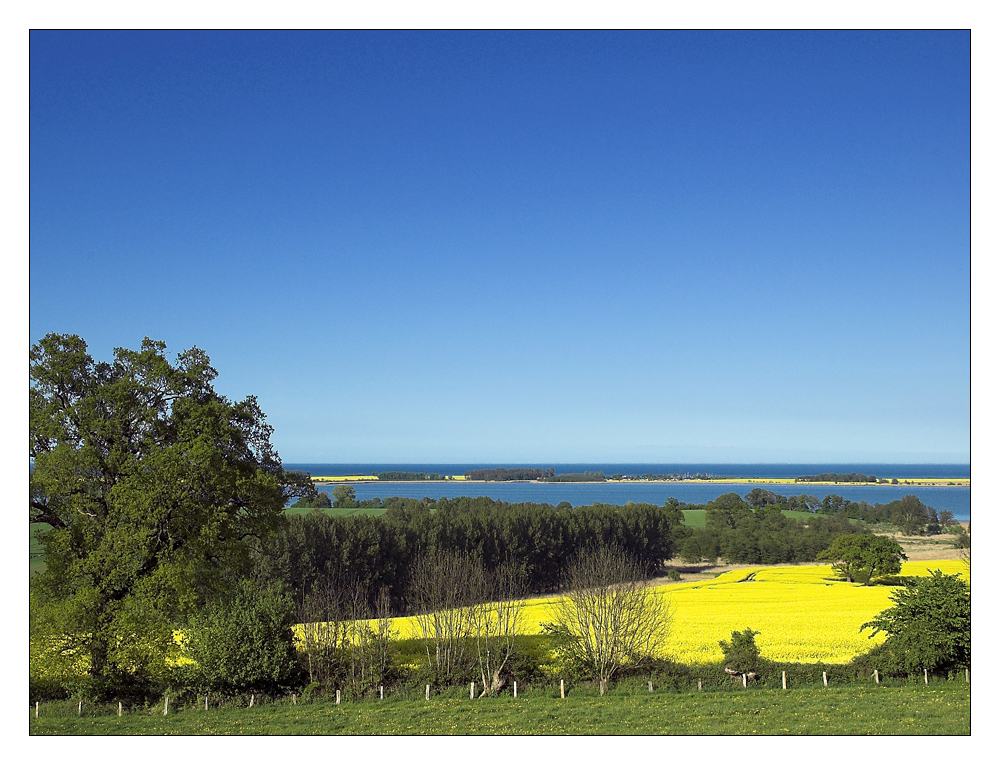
(864, 557)
(928, 627)
(152, 489)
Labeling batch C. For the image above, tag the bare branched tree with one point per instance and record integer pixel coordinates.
(496, 623)
(609, 615)
(445, 592)
(370, 635)
(325, 618)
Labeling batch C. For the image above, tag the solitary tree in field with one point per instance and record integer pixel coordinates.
(864, 557)
(151, 487)
(609, 615)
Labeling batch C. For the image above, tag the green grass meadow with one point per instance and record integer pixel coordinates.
(940, 709)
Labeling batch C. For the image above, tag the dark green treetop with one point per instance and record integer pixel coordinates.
(864, 557)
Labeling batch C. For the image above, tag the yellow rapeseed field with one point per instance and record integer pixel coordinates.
(803, 613)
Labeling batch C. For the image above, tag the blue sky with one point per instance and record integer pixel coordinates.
(524, 247)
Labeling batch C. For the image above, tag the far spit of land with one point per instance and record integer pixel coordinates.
(326, 480)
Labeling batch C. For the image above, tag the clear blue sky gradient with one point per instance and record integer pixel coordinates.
(524, 247)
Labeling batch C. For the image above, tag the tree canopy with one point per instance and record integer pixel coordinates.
(864, 557)
(928, 627)
(153, 488)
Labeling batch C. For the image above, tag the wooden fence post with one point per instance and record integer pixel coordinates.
(427, 693)
(119, 709)
(784, 684)
(699, 684)
(294, 703)
(966, 675)
(79, 708)
(166, 703)
(472, 691)
(338, 695)
(206, 703)
(824, 679)
(562, 690)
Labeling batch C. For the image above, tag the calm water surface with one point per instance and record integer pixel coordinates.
(954, 498)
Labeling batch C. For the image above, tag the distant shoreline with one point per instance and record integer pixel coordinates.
(958, 483)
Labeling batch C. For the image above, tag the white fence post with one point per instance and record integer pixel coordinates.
(824, 679)
(472, 691)
(338, 696)
(36, 710)
(784, 683)
(381, 692)
(562, 690)
(650, 686)
(119, 709)
(166, 703)
(699, 684)
(925, 676)
(744, 681)
(876, 677)
(427, 693)
(515, 689)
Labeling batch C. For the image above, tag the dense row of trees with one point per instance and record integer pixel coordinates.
(587, 476)
(536, 539)
(839, 478)
(510, 474)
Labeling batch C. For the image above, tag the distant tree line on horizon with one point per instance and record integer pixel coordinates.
(839, 478)
(584, 477)
(403, 475)
(510, 474)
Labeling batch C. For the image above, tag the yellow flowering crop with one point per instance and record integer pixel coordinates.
(803, 613)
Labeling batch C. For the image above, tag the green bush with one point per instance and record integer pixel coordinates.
(243, 643)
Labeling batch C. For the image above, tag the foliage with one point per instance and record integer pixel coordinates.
(741, 654)
(864, 557)
(344, 496)
(928, 627)
(608, 617)
(154, 488)
(242, 642)
(321, 500)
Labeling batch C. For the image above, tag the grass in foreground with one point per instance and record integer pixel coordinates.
(941, 709)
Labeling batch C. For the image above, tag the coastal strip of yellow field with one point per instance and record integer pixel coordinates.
(792, 482)
(803, 613)
(352, 478)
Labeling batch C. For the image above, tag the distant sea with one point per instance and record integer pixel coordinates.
(957, 499)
